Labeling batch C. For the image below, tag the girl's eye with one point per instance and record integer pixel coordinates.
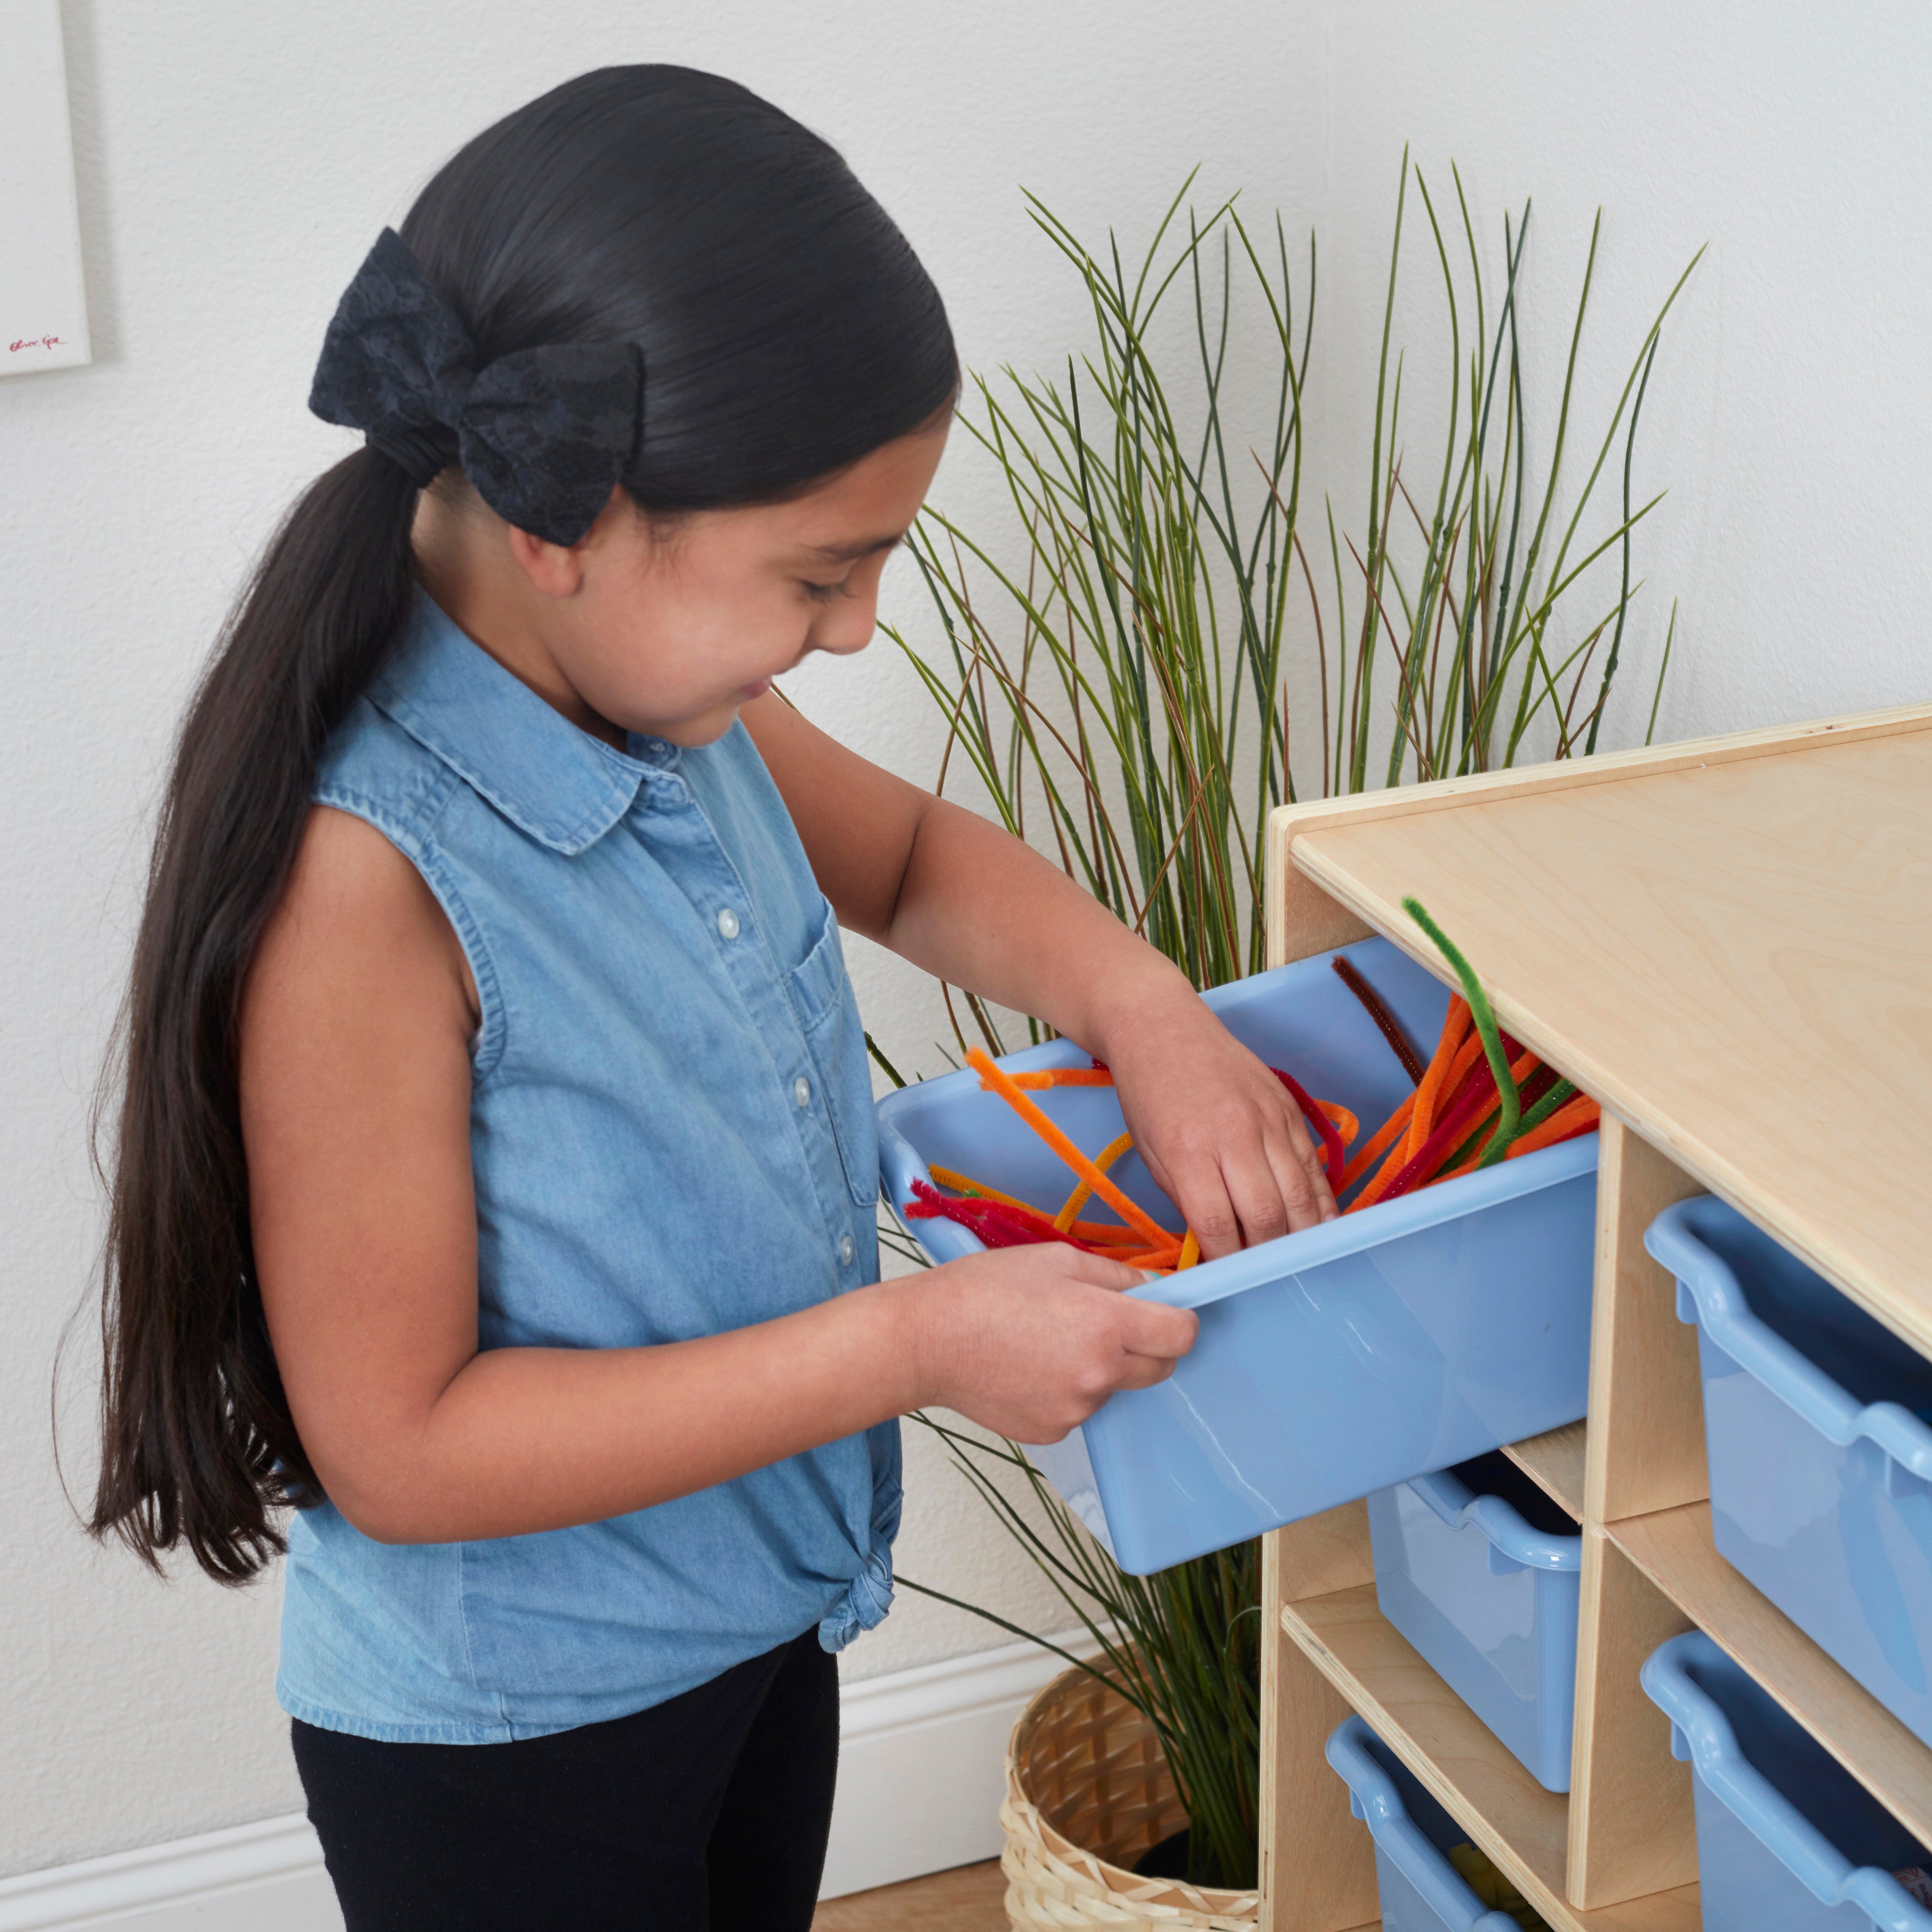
(823, 593)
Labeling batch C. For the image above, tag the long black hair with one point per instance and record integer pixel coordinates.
(786, 330)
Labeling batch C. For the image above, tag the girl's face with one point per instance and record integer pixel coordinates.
(668, 627)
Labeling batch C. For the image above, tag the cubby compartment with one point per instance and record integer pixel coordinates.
(1788, 1840)
(1330, 1363)
(1820, 1455)
(1479, 1570)
(1419, 1887)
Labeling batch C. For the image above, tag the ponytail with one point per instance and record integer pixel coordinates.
(768, 325)
(197, 1443)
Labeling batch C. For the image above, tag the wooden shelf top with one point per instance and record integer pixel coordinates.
(1728, 944)
(1673, 1548)
(1522, 1829)
(1554, 1462)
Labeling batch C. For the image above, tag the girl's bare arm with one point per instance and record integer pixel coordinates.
(355, 1089)
(955, 894)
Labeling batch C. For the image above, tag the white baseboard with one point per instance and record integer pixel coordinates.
(921, 1764)
(236, 1880)
(920, 1777)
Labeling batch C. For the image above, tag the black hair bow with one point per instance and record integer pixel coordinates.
(544, 433)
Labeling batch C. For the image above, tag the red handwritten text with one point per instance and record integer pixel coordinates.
(32, 342)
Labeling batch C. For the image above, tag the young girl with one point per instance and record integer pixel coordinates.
(496, 1175)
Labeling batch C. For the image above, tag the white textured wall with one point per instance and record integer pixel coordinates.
(236, 160)
(1787, 412)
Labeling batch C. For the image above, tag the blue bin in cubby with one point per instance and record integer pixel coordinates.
(1820, 1454)
(1332, 1362)
(1479, 1570)
(1788, 1840)
(1420, 1890)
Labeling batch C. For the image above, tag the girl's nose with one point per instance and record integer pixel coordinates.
(847, 628)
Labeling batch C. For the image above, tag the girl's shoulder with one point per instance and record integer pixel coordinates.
(375, 770)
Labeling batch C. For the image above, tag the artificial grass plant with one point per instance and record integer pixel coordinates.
(1114, 664)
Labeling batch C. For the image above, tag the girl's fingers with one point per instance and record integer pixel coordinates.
(1301, 1170)
(1200, 1191)
(1261, 1198)
(1096, 1271)
(1159, 1336)
(1145, 1371)
(1231, 1202)
(1275, 1182)
(1264, 1177)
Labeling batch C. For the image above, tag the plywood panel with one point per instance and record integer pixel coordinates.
(1696, 942)
(1630, 1824)
(1322, 1554)
(1646, 1402)
(1674, 1549)
(1317, 1864)
(1286, 821)
(1554, 1461)
(1299, 918)
(1523, 1828)
(1631, 1830)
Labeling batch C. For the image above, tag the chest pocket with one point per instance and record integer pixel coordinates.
(821, 997)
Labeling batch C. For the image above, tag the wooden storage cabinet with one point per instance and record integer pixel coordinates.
(1728, 944)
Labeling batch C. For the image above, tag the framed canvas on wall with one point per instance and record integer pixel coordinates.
(42, 299)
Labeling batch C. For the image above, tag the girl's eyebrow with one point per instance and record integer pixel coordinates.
(850, 552)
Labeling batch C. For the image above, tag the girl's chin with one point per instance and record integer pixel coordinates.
(708, 726)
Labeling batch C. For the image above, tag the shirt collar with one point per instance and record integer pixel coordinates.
(562, 786)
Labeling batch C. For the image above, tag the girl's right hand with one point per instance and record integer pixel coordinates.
(1029, 1342)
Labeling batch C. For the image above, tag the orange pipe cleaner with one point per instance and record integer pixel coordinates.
(1384, 1136)
(1574, 1116)
(1001, 1083)
(1077, 1199)
(1456, 1024)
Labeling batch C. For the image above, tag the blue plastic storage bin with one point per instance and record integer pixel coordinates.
(1787, 1839)
(1479, 1570)
(1819, 1465)
(1329, 1363)
(1420, 1890)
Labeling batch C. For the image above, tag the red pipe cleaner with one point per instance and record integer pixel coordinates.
(1331, 1141)
(1477, 1091)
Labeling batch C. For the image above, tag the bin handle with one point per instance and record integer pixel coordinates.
(1373, 1798)
(1509, 1537)
(1709, 1295)
(1700, 1732)
(900, 1165)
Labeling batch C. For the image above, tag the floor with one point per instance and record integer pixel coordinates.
(967, 1900)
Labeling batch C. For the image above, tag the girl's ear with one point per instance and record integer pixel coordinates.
(554, 570)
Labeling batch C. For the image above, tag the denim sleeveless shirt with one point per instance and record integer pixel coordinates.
(670, 1125)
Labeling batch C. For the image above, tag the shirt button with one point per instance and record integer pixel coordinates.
(801, 1091)
(728, 924)
(846, 1250)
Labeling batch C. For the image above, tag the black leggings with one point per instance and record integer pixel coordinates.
(708, 1814)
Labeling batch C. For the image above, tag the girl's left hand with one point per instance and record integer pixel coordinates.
(955, 894)
(1219, 1133)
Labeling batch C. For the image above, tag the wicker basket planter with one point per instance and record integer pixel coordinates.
(1086, 1784)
